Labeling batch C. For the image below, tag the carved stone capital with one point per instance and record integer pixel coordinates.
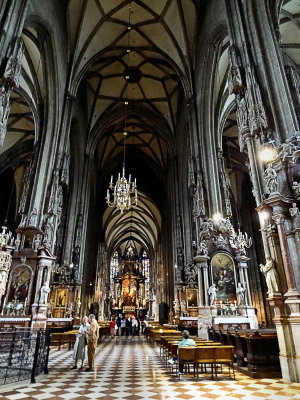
(278, 219)
(276, 301)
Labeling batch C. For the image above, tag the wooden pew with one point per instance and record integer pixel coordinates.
(263, 357)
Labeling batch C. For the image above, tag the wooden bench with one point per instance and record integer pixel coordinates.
(61, 339)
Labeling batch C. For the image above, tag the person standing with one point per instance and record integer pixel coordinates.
(92, 336)
(123, 326)
(128, 326)
(79, 352)
(134, 326)
(112, 327)
(118, 326)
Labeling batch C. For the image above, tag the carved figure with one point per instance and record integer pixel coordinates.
(33, 217)
(202, 249)
(294, 210)
(270, 177)
(271, 275)
(4, 110)
(296, 188)
(50, 308)
(287, 149)
(179, 257)
(70, 310)
(37, 242)
(240, 294)
(77, 306)
(176, 307)
(206, 227)
(76, 255)
(44, 293)
(130, 254)
(225, 226)
(183, 306)
(17, 242)
(242, 114)
(49, 230)
(212, 292)
(220, 241)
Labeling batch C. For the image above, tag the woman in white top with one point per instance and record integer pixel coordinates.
(79, 352)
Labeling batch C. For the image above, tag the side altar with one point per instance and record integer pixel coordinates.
(215, 287)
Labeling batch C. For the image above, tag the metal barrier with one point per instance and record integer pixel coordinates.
(23, 354)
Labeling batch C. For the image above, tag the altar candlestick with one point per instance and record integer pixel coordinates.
(3, 307)
(25, 302)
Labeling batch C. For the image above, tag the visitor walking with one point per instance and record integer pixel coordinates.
(79, 352)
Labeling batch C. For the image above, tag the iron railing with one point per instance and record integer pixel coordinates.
(23, 354)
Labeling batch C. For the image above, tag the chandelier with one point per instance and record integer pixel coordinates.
(124, 192)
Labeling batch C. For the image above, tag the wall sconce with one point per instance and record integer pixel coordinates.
(264, 218)
(217, 218)
(267, 152)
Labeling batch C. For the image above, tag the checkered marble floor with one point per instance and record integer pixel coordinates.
(132, 370)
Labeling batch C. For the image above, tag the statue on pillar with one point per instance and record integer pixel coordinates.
(272, 279)
(45, 289)
(212, 293)
(270, 177)
(183, 307)
(240, 294)
(294, 210)
(176, 307)
(77, 306)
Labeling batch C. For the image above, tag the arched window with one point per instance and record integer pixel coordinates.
(114, 263)
(145, 272)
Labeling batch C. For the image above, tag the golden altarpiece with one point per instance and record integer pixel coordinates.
(129, 286)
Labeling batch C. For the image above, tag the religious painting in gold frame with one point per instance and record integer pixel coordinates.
(192, 298)
(19, 283)
(61, 298)
(223, 275)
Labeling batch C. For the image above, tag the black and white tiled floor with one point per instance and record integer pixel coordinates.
(133, 370)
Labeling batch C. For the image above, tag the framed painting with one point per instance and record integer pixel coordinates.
(61, 298)
(192, 298)
(223, 275)
(19, 283)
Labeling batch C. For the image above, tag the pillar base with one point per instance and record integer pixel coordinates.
(39, 316)
(276, 301)
(293, 302)
(204, 322)
(288, 332)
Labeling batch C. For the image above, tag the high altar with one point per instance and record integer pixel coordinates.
(129, 292)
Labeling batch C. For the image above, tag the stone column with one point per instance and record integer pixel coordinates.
(201, 264)
(205, 318)
(242, 262)
(286, 319)
(292, 292)
(246, 309)
(142, 292)
(206, 284)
